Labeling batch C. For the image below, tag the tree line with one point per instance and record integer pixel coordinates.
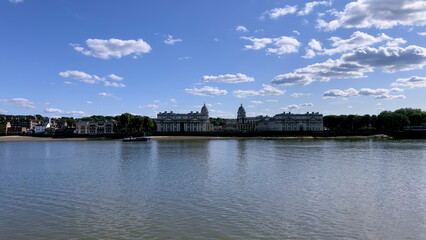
(385, 121)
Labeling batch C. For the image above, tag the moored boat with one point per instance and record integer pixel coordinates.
(141, 139)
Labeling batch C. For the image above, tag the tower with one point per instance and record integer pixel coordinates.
(204, 110)
(241, 114)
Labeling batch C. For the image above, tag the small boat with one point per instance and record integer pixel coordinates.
(141, 139)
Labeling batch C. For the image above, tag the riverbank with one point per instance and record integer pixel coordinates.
(40, 139)
(177, 138)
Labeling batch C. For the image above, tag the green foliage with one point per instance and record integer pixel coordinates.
(385, 121)
(218, 121)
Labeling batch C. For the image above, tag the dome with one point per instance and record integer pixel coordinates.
(241, 112)
(204, 110)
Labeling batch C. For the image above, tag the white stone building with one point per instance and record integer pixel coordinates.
(284, 122)
(189, 122)
(94, 128)
(41, 128)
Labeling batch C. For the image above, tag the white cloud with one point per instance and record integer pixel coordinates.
(184, 58)
(310, 6)
(228, 78)
(115, 77)
(282, 45)
(68, 83)
(113, 48)
(300, 94)
(271, 100)
(256, 102)
(266, 91)
(241, 29)
(216, 39)
(173, 100)
(295, 106)
(114, 84)
(411, 82)
(3, 111)
(315, 45)
(309, 53)
(279, 12)
(149, 106)
(53, 110)
(18, 102)
(422, 33)
(91, 79)
(16, 1)
(171, 41)
(380, 93)
(81, 76)
(296, 32)
(89, 102)
(68, 113)
(206, 91)
(356, 64)
(111, 95)
(379, 14)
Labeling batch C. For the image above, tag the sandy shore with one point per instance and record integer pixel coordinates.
(38, 139)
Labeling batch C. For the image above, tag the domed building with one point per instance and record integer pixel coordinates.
(184, 122)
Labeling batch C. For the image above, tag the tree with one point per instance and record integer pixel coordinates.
(124, 120)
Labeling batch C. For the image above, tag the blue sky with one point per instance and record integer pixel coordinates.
(79, 58)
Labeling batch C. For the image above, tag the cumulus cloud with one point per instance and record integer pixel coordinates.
(266, 91)
(379, 14)
(279, 12)
(295, 106)
(114, 84)
(149, 106)
(113, 48)
(280, 45)
(91, 79)
(228, 78)
(356, 64)
(106, 94)
(380, 93)
(309, 7)
(18, 102)
(241, 29)
(357, 40)
(300, 94)
(206, 91)
(115, 77)
(411, 82)
(171, 41)
(68, 113)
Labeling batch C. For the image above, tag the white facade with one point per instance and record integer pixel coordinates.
(284, 122)
(94, 128)
(190, 122)
(41, 128)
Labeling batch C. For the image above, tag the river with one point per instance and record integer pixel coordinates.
(213, 189)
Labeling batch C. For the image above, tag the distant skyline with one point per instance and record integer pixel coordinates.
(80, 58)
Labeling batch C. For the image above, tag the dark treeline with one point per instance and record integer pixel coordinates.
(126, 122)
(385, 121)
(218, 121)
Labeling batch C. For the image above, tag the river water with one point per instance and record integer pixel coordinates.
(213, 189)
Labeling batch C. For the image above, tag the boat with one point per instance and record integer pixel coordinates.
(140, 139)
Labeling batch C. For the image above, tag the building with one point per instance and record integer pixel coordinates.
(94, 128)
(4, 128)
(41, 128)
(284, 122)
(189, 122)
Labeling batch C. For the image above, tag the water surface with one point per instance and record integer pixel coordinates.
(213, 189)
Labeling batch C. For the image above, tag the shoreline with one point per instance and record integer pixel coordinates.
(182, 138)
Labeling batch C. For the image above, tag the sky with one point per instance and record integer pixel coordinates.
(79, 58)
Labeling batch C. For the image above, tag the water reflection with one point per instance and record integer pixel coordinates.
(213, 189)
